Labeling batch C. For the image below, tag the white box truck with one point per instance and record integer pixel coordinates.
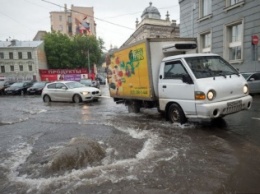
(170, 75)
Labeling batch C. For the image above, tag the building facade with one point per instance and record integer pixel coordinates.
(152, 26)
(229, 28)
(77, 20)
(21, 60)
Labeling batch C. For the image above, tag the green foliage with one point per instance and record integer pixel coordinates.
(63, 51)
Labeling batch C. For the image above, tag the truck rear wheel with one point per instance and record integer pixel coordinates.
(133, 107)
(176, 114)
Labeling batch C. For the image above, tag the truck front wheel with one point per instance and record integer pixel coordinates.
(176, 114)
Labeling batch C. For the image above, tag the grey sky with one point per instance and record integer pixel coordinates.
(21, 19)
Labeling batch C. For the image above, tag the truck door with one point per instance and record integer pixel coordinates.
(171, 87)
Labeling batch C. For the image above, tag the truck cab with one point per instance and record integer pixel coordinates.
(201, 86)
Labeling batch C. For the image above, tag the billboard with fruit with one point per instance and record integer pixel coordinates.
(128, 72)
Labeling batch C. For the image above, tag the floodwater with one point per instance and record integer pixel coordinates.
(99, 147)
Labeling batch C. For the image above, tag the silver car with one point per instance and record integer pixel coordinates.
(70, 91)
(253, 80)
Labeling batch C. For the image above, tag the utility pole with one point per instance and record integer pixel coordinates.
(88, 65)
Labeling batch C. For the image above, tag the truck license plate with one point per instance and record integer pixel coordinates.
(234, 106)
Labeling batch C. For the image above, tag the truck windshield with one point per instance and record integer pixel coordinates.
(210, 66)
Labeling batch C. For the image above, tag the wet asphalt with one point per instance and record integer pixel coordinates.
(98, 147)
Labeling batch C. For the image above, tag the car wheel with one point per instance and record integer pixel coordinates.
(46, 98)
(176, 114)
(77, 98)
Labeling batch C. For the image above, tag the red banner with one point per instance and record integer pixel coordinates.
(65, 74)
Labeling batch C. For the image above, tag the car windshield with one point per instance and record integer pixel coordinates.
(210, 66)
(86, 81)
(39, 84)
(20, 84)
(72, 85)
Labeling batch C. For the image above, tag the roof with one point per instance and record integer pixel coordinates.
(151, 12)
(189, 55)
(20, 44)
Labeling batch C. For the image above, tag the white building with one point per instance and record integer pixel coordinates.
(21, 60)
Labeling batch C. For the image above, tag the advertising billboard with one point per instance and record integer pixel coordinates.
(128, 72)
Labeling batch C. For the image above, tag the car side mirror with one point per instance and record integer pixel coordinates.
(64, 88)
(187, 79)
(252, 79)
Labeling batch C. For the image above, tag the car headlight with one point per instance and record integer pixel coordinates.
(85, 93)
(245, 89)
(211, 95)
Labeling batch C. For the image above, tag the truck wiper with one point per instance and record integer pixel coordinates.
(221, 73)
(233, 73)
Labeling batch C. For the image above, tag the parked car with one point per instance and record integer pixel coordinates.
(253, 80)
(90, 83)
(36, 88)
(4, 84)
(18, 88)
(70, 91)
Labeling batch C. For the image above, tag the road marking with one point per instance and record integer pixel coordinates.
(255, 118)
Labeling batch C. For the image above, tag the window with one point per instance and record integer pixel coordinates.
(59, 85)
(2, 69)
(205, 7)
(174, 70)
(209, 66)
(231, 4)
(11, 55)
(1, 55)
(60, 28)
(20, 55)
(29, 55)
(69, 19)
(30, 67)
(21, 67)
(52, 86)
(255, 76)
(11, 68)
(205, 42)
(234, 41)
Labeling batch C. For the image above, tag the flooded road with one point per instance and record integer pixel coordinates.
(100, 148)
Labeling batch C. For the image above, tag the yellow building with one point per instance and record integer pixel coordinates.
(77, 20)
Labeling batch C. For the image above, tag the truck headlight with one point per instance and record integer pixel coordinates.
(245, 89)
(211, 95)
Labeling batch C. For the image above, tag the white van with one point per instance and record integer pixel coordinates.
(200, 86)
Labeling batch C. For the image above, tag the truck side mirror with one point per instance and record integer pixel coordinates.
(187, 79)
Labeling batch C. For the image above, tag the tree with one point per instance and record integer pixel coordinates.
(63, 51)
(58, 50)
